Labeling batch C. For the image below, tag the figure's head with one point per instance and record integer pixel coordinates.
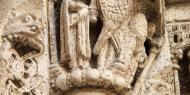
(139, 24)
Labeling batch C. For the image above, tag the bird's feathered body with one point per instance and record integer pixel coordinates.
(118, 42)
(115, 15)
(115, 10)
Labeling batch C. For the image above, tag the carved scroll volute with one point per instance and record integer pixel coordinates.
(24, 49)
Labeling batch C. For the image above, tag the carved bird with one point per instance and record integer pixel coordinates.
(114, 14)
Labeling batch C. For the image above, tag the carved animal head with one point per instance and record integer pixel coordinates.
(23, 32)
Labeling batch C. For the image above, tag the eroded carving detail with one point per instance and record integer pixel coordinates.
(21, 45)
(23, 50)
(104, 47)
(119, 48)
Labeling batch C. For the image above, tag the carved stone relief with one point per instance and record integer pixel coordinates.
(119, 49)
(177, 26)
(24, 48)
(94, 47)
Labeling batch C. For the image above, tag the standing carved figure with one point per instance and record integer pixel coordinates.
(75, 34)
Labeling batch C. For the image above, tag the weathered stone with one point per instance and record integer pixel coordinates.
(94, 47)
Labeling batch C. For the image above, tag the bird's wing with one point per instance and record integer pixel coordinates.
(115, 10)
